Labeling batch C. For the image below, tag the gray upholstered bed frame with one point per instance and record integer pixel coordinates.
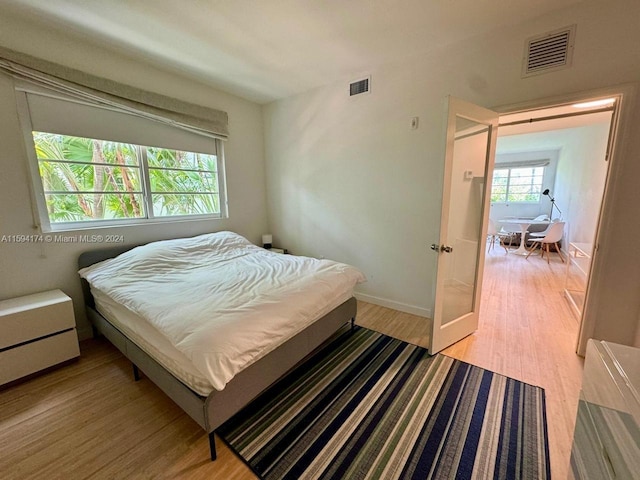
(211, 411)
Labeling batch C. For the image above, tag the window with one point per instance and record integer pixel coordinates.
(86, 180)
(517, 185)
(94, 166)
(182, 183)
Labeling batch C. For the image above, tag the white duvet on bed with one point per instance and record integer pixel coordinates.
(220, 300)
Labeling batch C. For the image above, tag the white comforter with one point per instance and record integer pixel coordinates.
(220, 300)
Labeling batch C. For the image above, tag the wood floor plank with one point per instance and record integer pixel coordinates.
(89, 419)
(115, 428)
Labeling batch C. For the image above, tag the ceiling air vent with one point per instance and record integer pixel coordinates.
(549, 52)
(359, 86)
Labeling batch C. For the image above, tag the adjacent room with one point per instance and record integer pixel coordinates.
(316, 239)
(557, 157)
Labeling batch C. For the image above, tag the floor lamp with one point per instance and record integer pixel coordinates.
(553, 204)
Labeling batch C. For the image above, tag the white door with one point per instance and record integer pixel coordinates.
(470, 149)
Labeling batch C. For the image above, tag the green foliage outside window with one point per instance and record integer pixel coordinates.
(517, 185)
(86, 179)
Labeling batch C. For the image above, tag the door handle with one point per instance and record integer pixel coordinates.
(441, 248)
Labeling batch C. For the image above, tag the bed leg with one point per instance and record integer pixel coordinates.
(353, 324)
(136, 372)
(212, 446)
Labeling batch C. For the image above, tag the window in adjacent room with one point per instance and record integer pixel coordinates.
(517, 185)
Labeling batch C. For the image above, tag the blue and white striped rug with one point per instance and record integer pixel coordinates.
(370, 406)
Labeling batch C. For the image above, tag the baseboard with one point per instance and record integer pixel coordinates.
(402, 307)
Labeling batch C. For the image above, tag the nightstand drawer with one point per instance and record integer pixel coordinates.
(35, 356)
(33, 316)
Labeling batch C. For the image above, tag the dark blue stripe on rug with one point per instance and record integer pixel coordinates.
(545, 432)
(508, 434)
(432, 438)
(470, 449)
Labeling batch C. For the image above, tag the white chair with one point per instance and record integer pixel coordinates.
(537, 235)
(501, 235)
(556, 230)
(540, 218)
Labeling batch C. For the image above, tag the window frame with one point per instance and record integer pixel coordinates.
(509, 169)
(39, 206)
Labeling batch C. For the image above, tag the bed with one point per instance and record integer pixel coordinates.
(214, 320)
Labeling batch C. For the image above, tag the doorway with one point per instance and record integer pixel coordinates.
(541, 116)
(565, 150)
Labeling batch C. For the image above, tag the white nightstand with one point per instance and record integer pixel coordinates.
(36, 331)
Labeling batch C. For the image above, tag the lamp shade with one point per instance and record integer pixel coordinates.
(267, 240)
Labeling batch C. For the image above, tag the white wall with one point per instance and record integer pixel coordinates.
(348, 179)
(29, 268)
(580, 181)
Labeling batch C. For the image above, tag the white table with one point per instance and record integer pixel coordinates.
(524, 224)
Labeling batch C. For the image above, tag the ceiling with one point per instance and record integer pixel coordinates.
(264, 50)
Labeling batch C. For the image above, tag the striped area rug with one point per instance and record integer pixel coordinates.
(370, 406)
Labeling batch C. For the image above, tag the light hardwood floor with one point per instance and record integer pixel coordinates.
(89, 419)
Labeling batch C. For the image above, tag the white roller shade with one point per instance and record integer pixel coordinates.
(69, 117)
(523, 164)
